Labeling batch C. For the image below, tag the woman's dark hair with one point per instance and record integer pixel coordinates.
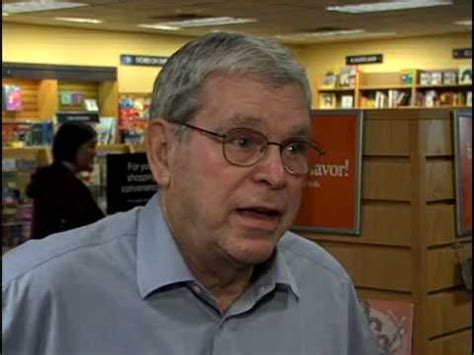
(69, 137)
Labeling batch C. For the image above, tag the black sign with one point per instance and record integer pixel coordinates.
(143, 60)
(364, 59)
(462, 53)
(129, 181)
(77, 116)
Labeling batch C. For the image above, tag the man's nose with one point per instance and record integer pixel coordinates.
(270, 168)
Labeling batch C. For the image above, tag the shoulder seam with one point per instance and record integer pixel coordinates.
(339, 275)
(6, 285)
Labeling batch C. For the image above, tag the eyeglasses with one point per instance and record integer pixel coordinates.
(246, 147)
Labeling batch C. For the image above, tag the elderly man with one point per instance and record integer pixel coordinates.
(208, 265)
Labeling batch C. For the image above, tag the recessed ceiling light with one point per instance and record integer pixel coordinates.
(79, 20)
(464, 23)
(160, 27)
(35, 6)
(199, 22)
(387, 6)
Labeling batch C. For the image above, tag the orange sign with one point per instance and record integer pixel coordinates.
(331, 198)
(463, 162)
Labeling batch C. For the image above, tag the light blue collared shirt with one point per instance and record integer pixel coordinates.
(121, 287)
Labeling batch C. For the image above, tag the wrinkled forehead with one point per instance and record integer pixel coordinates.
(250, 101)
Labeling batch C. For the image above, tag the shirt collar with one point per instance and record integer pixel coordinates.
(280, 274)
(160, 263)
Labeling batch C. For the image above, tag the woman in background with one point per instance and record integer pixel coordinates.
(61, 201)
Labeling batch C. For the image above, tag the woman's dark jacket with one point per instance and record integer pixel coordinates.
(60, 201)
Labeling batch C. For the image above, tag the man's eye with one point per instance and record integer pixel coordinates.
(297, 148)
(243, 140)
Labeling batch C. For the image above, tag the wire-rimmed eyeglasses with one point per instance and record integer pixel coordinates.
(246, 147)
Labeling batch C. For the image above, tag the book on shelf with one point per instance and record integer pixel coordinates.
(330, 80)
(436, 78)
(68, 98)
(13, 98)
(327, 100)
(398, 98)
(448, 99)
(407, 76)
(40, 133)
(381, 99)
(106, 130)
(91, 105)
(450, 77)
(431, 99)
(465, 75)
(347, 77)
(347, 101)
(469, 98)
(425, 78)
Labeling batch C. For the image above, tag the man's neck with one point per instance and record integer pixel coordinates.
(224, 279)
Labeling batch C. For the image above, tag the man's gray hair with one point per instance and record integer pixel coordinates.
(176, 89)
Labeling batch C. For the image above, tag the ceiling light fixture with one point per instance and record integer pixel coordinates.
(160, 27)
(322, 36)
(464, 23)
(79, 20)
(36, 6)
(387, 6)
(199, 22)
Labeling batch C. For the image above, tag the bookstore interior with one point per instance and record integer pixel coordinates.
(406, 99)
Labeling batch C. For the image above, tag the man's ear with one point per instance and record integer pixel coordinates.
(158, 151)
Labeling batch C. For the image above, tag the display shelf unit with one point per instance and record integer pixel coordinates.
(42, 154)
(385, 90)
(42, 85)
(133, 116)
(402, 89)
(340, 93)
(408, 243)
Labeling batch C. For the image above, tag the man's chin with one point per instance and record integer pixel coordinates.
(253, 252)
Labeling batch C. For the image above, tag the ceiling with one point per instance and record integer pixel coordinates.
(274, 17)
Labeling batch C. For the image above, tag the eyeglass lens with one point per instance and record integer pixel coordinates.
(245, 147)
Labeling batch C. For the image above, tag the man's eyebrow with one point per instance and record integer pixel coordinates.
(301, 132)
(246, 121)
(258, 124)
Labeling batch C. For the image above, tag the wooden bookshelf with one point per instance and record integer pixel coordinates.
(408, 243)
(411, 92)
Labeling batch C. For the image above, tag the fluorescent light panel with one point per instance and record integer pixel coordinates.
(323, 34)
(464, 23)
(79, 20)
(201, 22)
(387, 6)
(160, 27)
(36, 6)
(355, 34)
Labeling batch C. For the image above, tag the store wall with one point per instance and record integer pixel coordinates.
(431, 52)
(60, 45)
(68, 46)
